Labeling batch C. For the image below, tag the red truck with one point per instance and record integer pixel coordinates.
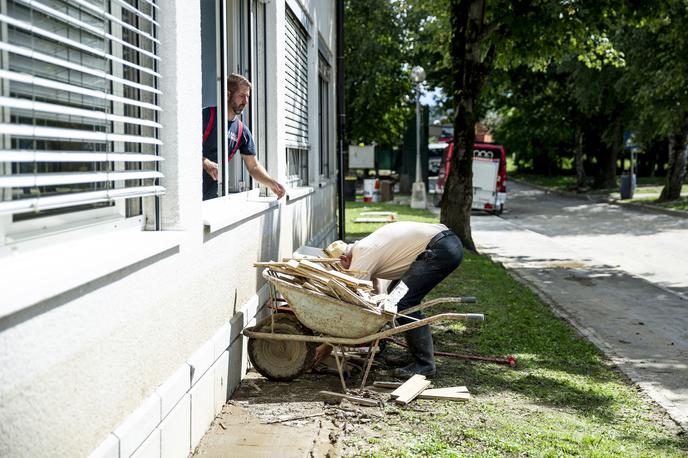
(489, 176)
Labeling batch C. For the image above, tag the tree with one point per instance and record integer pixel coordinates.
(489, 34)
(656, 47)
(377, 82)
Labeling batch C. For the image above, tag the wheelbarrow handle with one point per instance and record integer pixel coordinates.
(474, 317)
(252, 333)
(441, 300)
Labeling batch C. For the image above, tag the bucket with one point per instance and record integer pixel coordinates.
(371, 190)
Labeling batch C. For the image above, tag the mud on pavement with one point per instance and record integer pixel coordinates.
(290, 419)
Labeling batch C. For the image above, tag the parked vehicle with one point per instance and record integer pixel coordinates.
(489, 177)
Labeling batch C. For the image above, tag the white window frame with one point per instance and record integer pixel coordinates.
(325, 132)
(304, 177)
(71, 224)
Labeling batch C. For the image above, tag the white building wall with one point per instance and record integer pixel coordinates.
(139, 360)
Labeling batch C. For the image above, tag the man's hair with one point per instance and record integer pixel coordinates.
(235, 80)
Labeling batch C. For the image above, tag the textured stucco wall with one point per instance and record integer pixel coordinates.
(76, 367)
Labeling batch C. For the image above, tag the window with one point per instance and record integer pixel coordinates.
(324, 115)
(297, 162)
(238, 44)
(296, 89)
(79, 111)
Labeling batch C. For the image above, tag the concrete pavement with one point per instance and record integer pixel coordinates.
(619, 275)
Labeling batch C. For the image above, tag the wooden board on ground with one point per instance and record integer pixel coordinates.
(410, 389)
(453, 393)
(386, 216)
(387, 385)
(376, 217)
(355, 399)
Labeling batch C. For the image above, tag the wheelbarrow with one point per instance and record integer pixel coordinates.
(282, 346)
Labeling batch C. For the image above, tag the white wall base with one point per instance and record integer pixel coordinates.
(172, 421)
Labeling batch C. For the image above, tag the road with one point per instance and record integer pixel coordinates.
(620, 275)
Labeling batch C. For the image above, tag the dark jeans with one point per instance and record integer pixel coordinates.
(443, 254)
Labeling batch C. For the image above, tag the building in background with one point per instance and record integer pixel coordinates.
(123, 293)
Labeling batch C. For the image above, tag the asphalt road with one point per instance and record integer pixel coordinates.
(618, 274)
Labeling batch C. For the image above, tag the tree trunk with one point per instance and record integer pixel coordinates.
(607, 177)
(678, 154)
(468, 76)
(580, 170)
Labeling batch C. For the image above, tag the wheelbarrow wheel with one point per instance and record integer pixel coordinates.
(281, 360)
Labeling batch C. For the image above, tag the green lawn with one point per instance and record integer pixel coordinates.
(562, 398)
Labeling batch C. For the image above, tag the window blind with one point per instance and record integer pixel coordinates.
(79, 104)
(296, 82)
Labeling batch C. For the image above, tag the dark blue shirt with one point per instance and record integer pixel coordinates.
(247, 146)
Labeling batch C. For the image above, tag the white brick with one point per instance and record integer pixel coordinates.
(237, 326)
(236, 362)
(220, 371)
(150, 448)
(137, 426)
(109, 448)
(201, 361)
(202, 409)
(175, 431)
(221, 340)
(174, 389)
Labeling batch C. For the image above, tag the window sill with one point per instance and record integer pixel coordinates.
(294, 194)
(227, 211)
(50, 271)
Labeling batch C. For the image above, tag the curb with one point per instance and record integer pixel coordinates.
(650, 208)
(657, 398)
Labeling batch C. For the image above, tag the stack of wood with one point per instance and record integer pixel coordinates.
(327, 276)
(419, 387)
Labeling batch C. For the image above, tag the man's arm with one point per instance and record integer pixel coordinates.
(210, 167)
(261, 175)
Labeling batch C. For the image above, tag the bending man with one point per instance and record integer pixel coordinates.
(419, 254)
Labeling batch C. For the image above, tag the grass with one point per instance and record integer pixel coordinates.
(562, 398)
(355, 231)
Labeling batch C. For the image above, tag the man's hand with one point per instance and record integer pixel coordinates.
(345, 260)
(210, 168)
(322, 352)
(277, 188)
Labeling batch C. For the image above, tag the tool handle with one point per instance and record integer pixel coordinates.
(441, 300)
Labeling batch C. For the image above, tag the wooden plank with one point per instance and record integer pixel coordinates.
(295, 266)
(388, 385)
(315, 260)
(355, 399)
(270, 264)
(349, 280)
(373, 220)
(410, 389)
(394, 214)
(347, 295)
(454, 393)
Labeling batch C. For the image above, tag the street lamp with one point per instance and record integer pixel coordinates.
(418, 198)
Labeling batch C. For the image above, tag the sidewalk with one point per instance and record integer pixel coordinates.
(641, 327)
(613, 198)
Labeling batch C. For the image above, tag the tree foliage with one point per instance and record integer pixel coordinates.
(377, 82)
(631, 77)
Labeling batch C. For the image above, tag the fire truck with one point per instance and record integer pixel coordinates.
(489, 177)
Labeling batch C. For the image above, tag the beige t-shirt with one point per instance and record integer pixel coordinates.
(388, 252)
